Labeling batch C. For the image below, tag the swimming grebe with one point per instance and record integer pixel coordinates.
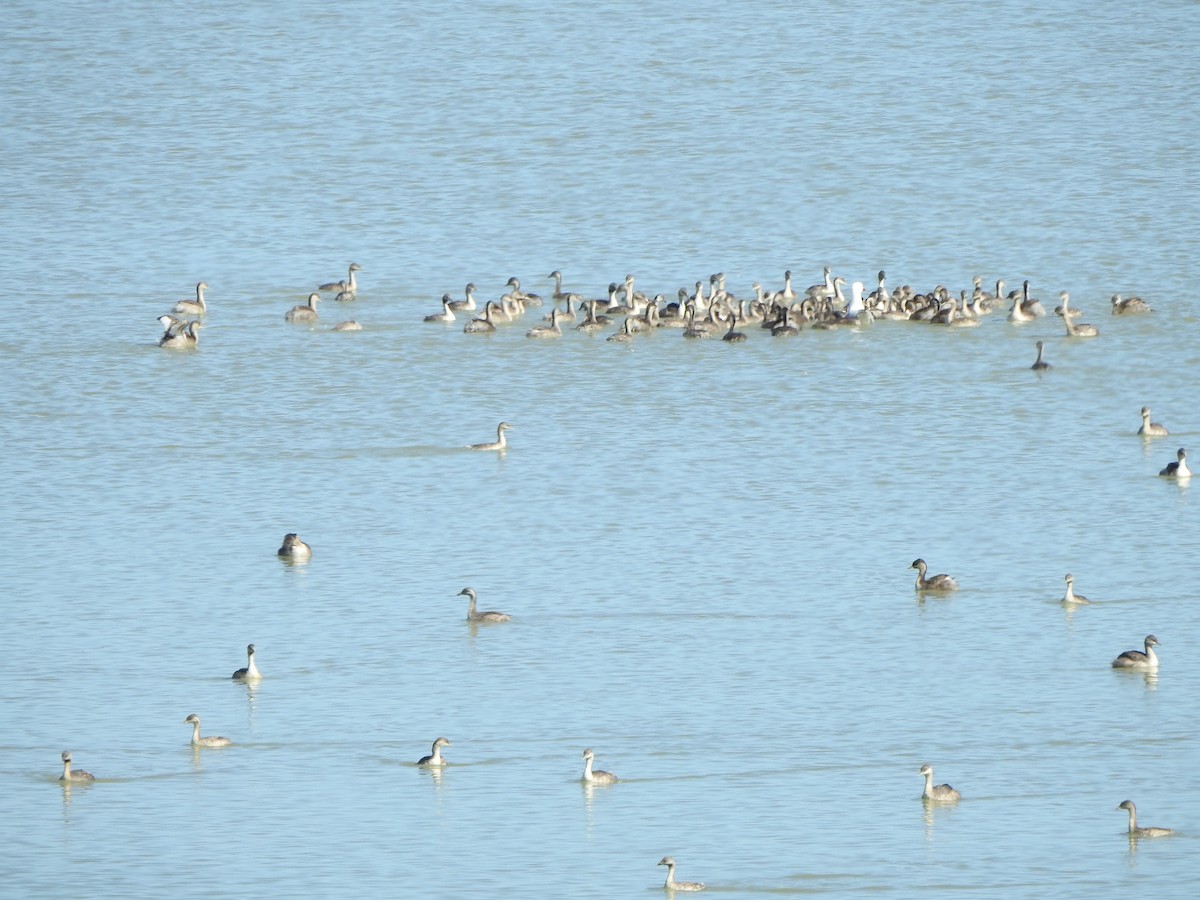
(1145, 831)
(671, 884)
(552, 330)
(1039, 364)
(447, 313)
(599, 776)
(1179, 468)
(198, 741)
(933, 791)
(435, 758)
(348, 325)
(936, 583)
(294, 547)
(1131, 306)
(73, 775)
(179, 335)
(250, 673)
(731, 336)
(518, 294)
(1070, 596)
(1082, 330)
(195, 307)
(345, 289)
(625, 335)
(500, 443)
(484, 324)
(304, 313)
(1151, 429)
(467, 305)
(1137, 659)
(473, 615)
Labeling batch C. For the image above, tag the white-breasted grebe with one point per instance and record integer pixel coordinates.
(671, 884)
(500, 443)
(599, 776)
(447, 313)
(70, 774)
(1151, 429)
(197, 741)
(1138, 659)
(941, 792)
(435, 757)
(1144, 831)
(1070, 596)
(467, 305)
(474, 615)
(1179, 468)
(345, 289)
(553, 330)
(250, 672)
(306, 313)
(936, 583)
(294, 547)
(195, 307)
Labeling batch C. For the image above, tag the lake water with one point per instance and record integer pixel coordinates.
(705, 548)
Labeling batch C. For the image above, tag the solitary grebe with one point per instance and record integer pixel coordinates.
(250, 673)
(1151, 429)
(1039, 364)
(447, 313)
(671, 884)
(1136, 659)
(195, 307)
(599, 776)
(306, 313)
(435, 758)
(348, 325)
(198, 741)
(1145, 831)
(77, 774)
(1070, 596)
(473, 615)
(500, 443)
(936, 791)
(345, 289)
(1131, 306)
(936, 583)
(294, 547)
(1179, 468)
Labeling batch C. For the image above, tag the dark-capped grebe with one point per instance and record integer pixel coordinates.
(936, 583)
(195, 307)
(1151, 429)
(306, 313)
(1137, 659)
(1039, 364)
(250, 673)
(1179, 468)
(1144, 831)
(474, 615)
(294, 547)
(671, 884)
(500, 443)
(447, 313)
(1131, 306)
(198, 741)
(345, 289)
(73, 775)
(599, 776)
(435, 757)
(1070, 596)
(941, 792)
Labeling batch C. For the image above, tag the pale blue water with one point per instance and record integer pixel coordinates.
(704, 547)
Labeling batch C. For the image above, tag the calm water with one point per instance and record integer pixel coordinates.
(704, 547)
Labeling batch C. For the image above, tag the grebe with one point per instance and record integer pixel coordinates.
(1136, 659)
(936, 583)
(447, 313)
(933, 791)
(294, 547)
(435, 757)
(473, 615)
(306, 313)
(1179, 468)
(731, 336)
(625, 335)
(467, 305)
(483, 325)
(500, 443)
(671, 884)
(348, 325)
(517, 294)
(198, 741)
(552, 330)
(1082, 330)
(1070, 596)
(1144, 831)
(1039, 364)
(599, 776)
(195, 307)
(1131, 306)
(1064, 307)
(345, 289)
(1151, 429)
(180, 335)
(250, 673)
(75, 775)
